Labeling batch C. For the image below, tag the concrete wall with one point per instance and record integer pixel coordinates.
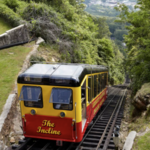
(16, 35)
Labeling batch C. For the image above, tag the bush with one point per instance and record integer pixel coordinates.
(34, 59)
(13, 4)
(9, 15)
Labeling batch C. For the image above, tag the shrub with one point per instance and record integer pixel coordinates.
(13, 4)
(34, 59)
(9, 15)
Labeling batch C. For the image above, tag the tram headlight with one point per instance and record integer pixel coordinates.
(62, 114)
(33, 112)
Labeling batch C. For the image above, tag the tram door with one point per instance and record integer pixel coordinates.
(83, 103)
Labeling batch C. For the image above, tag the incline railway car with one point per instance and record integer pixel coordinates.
(58, 101)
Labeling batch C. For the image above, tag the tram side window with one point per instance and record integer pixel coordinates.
(92, 87)
(32, 96)
(83, 90)
(62, 99)
(95, 85)
(89, 88)
(104, 80)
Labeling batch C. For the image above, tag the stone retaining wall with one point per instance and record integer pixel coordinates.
(6, 119)
(16, 35)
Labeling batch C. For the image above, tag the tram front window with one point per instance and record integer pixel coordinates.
(32, 96)
(61, 99)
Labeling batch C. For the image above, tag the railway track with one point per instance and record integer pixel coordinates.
(98, 137)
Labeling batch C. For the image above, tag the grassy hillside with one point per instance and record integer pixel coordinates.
(11, 60)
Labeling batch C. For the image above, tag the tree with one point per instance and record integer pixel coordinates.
(138, 42)
(103, 29)
(119, 33)
(105, 50)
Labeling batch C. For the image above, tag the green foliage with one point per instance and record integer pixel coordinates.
(105, 50)
(4, 26)
(9, 15)
(13, 4)
(142, 142)
(36, 58)
(75, 34)
(99, 10)
(113, 58)
(11, 60)
(103, 31)
(116, 67)
(121, 47)
(137, 41)
(119, 33)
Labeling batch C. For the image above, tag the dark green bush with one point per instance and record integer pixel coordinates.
(36, 59)
(13, 4)
(9, 15)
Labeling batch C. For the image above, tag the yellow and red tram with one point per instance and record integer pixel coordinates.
(58, 101)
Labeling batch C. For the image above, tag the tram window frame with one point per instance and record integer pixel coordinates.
(99, 84)
(83, 89)
(95, 85)
(29, 102)
(102, 77)
(89, 88)
(92, 87)
(62, 106)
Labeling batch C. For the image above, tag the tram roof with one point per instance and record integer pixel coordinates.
(58, 74)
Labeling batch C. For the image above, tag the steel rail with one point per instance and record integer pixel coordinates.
(113, 124)
(112, 92)
(31, 146)
(45, 147)
(23, 146)
(117, 108)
